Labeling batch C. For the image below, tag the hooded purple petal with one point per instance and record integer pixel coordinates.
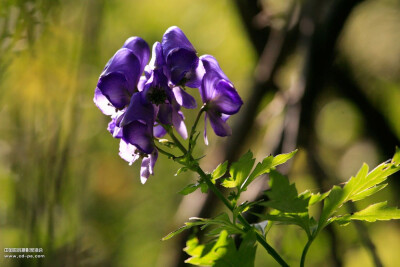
(157, 58)
(103, 103)
(195, 77)
(127, 64)
(211, 64)
(180, 58)
(226, 99)
(208, 87)
(219, 94)
(175, 38)
(183, 98)
(140, 48)
(181, 63)
(114, 87)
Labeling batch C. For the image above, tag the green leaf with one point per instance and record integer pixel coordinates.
(239, 171)
(222, 252)
(266, 165)
(181, 170)
(188, 225)
(364, 184)
(283, 195)
(379, 211)
(396, 157)
(222, 220)
(368, 192)
(219, 171)
(300, 219)
(314, 197)
(203, 187)
(282, 158)
(208, 254)
(189, 189)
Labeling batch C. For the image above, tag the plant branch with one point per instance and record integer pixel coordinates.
(246, 225)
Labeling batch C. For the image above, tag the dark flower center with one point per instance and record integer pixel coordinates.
(157, 95)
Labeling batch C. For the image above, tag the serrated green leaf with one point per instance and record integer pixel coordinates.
(299, 219)
(189, 189)
(222, 252)
(219, 171)
(266, 165)
(239, 171)
(282, 158)
(180, 170)
(209, 253)
(359, 187)
(396, 157)
(187, 225)
(379, 211)
(318, 197)
(332, 202)
(368, 192)
(283, 195)
(203, 187)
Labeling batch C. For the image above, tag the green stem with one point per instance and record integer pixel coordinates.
(226, 202)
(174, 138)
(193, 130)
(305, 250)
(169, 155)
(246, 225)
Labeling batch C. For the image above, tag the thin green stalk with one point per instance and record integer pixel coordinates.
(175, 139)
(305, 250)
(226, 202)
(193, 130)
(247, 226)
(169, 155)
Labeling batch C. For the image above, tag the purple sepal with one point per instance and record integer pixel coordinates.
(157, 58)
(221, 100)
(174, 38)
(127, 64)
(128, 152)
(211, 64)
(137, 124)
(179, 124)
(140, 48)
(139, 135)
(159, 131)
(183, 98)
(114, 87)
(147, 167)
(103, 103)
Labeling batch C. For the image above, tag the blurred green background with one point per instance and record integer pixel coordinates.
(63, 186)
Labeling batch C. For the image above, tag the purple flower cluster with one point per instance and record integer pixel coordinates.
(141, 95)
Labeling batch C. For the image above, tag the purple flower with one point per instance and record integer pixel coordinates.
(120, 77)
(219, 96)
(158, 92)
(130, 153)
(137, 124)
(183, 65)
